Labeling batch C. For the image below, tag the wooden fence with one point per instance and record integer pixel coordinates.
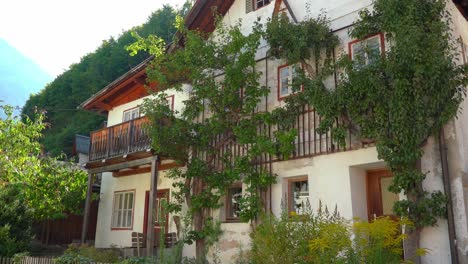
(34, 260)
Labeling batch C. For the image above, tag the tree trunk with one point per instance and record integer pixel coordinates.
(411, 245)
(198, 222)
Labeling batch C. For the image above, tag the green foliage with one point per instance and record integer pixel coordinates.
(64, 94)
(88, 254)
(215, 111)
(307, 39)
(324, 237)
(48, 186)
(18, 257)
(398, 100)
(379, 241)
(68, 258)
(320, 237)
(15, 221)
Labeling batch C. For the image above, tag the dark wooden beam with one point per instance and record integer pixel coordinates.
(84, 229)
(120, 166)
(104, 106)
(168, 166)
(131, 172)
(151, 204)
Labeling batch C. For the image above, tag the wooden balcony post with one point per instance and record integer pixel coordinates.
(84, 229)
(152, 196)
(129, 136)
(109, 142)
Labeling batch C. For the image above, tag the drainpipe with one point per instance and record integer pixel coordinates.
(448, 192)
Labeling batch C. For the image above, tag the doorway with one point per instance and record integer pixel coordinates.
(161, 215)
(380, 200)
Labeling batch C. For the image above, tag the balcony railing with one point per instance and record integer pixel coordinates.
(119, 140)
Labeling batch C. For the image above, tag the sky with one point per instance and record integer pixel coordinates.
(57, 33)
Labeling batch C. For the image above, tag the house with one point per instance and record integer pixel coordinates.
(352, 178)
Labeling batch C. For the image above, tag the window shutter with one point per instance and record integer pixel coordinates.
(248, 6)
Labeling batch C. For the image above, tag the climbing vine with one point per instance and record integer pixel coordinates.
(403, 97)
(218, 121)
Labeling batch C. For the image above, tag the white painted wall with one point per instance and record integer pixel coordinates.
(335, 179)
(105, 236)
(115, 115)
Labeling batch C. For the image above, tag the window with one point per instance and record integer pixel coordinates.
(298, 195)
(261, 3)
(131, 114)
(122, 213)
(367, 51)
(233, 196)
(286, 74)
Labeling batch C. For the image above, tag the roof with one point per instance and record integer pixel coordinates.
(102, 100)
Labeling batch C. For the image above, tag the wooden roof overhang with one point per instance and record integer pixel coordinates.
(126, 88)
(202, 17)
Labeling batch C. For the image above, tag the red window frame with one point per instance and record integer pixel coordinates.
(172, 97)
(382, 44)
(133, 210)
(278, 90)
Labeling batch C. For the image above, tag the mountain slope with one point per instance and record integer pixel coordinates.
(19, 76)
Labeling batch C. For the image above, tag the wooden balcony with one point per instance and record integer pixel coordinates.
(120, 140)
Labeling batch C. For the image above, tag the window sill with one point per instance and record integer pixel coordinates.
(121, 228)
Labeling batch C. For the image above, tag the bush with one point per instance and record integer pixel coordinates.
(324, 237)
(70, 258)
(87, 254)
(380, 241)
(15, 221)
(308, 238)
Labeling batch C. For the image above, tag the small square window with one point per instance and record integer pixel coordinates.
(131, 114)
(122, 213)
(298, 195)
(233, 196)
(367, 51)
(286, 74)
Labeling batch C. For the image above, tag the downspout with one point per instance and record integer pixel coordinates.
(448, 192)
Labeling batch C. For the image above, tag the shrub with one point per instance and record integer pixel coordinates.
(71, 258)
(379, 241)
(324, 237)
(87, 254)
(308, 238)
(15, 221)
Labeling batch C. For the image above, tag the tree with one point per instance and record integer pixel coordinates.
(220, 116)
(49, 187)
(15, 221)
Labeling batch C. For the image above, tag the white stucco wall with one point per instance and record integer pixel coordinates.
(140, 183)
(335, 179)
(115, 115)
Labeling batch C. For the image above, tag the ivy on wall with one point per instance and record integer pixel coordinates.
(403, 97)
